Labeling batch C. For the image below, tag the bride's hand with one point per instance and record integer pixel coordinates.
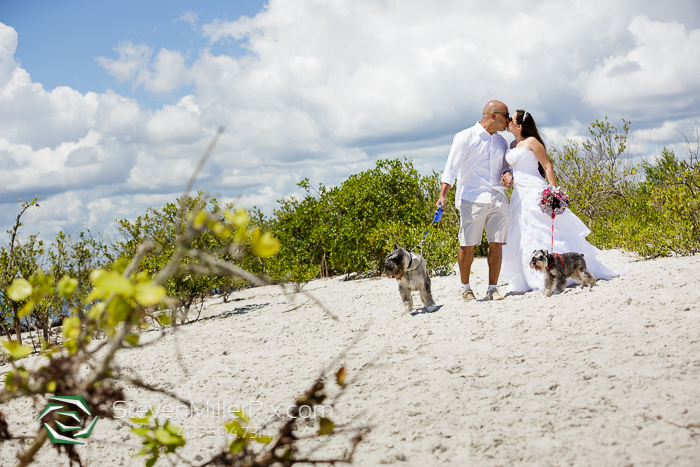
(507, 179)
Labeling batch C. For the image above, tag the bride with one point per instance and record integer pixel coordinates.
(530, 229)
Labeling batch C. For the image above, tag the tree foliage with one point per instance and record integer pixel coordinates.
(351, 227)
(50, 266)
(599, 177)
(651, 208)
(18, 260)
(172, 258)
(228, 239)
(123, 296)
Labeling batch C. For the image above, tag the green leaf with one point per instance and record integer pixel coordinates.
(148, 294)
(113, 282)
(239, 219)
(71, 346)
(263, 439)
(71, 327)
(165, 437)
(96, 274)
(234, 427)
(164, 319)
(118, 310)
(150, 462)
(16, 350)
(96, 311)
(236, 446)
(264, 245)
(66, 286)
(341, 376)
(19, 290)
(26, 309)
(140, 431)
(174, 429)
(95, 294)
(218, 228)
(200, 219)
(132, 339)
(41, 282)
(325, 426)
(141, 421)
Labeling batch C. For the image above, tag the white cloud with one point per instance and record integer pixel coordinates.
(658, 74)
(188, 17)
(133, 58)
(666, 132)
(326, 88)
(173, 123)
(164, 73)
(8, 46)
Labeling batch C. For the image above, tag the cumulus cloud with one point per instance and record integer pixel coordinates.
(326, 88)
(8, 46)
(657, 74)
(163, 73)
(188, 17)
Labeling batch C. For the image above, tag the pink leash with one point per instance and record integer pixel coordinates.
(552, 232)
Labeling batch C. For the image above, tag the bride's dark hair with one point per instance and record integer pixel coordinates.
(530, 129)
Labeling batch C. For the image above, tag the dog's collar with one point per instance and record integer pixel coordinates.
(410, 261)
(556, 255)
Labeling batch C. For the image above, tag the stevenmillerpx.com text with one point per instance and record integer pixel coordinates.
(123, 409)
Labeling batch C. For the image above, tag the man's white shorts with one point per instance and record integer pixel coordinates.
(475, 217)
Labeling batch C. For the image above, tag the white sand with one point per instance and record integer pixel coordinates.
(606, 377)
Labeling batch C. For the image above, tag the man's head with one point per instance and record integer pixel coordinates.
(495, 117)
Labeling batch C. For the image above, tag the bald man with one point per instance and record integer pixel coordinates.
(477, 161)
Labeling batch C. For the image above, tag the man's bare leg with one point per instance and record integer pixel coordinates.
(494, 260)
(465, 258)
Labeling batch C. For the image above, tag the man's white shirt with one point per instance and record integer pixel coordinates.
(476, 161)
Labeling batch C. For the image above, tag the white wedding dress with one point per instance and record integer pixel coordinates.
(530, 229)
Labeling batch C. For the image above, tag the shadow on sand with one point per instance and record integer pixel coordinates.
(424, 311)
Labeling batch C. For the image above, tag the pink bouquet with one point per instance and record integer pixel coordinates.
(553, 201)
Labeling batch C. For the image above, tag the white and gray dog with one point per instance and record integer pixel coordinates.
(409, 269)
(558, 268)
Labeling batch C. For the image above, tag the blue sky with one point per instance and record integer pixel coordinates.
(59, 41)
(105, 107)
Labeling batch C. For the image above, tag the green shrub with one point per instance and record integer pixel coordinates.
(653, 215)
(351, 228)
(599, 178)
(665, 212)
(162, 228)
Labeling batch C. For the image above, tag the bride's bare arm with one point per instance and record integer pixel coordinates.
(541, 155)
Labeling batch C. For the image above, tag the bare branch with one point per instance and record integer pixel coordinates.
(140, 384)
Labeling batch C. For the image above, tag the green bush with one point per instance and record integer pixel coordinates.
(162, 228)
(120, 300)
(352, 227)
(599, 178)
(665, 212)
(651, 208)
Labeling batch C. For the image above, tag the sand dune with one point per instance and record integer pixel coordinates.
(602, 377)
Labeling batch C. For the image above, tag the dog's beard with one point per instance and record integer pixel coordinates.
(395, 271)
(538, 261)
(394, 266)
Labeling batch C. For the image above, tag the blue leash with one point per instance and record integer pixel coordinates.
(436, 218)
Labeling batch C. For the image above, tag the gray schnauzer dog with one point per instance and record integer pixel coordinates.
(558, 268)
(409, 269)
